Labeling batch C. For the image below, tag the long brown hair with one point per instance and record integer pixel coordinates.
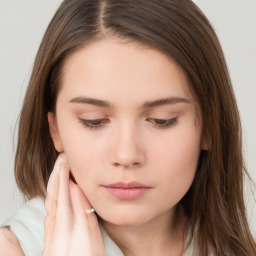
(214, 204)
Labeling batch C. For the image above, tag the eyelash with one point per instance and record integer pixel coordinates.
(158, 123)
(163, 123)
(89, 123)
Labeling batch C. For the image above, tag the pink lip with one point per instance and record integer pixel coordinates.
(127, 191)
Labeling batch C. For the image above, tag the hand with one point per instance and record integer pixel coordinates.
(69, 230)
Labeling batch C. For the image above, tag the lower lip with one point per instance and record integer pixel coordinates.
(127, 193)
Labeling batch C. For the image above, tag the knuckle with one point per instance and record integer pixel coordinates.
(63, 207)
(48, 219)
(47, 203)
(50, 204)
(64, 164)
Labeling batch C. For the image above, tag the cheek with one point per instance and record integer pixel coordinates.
(180, 148)
(177, 158)
(82, 151)
(83, 157)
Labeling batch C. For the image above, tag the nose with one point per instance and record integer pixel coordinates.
(127, 149)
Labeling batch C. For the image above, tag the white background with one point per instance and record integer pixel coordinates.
(22, 24)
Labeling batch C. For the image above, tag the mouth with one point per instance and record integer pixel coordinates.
(127, 191)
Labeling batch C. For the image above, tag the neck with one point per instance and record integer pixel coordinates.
(164, 235)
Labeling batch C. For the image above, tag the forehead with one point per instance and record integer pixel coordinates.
(110, 67)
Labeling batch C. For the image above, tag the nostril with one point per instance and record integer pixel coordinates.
(127, 157)
(126, 165)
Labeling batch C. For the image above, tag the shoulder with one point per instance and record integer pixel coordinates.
(26, 230)
(9, 244)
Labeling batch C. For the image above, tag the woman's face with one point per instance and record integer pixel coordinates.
(126, 119)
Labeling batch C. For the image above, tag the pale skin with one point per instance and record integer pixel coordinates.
(145, 129)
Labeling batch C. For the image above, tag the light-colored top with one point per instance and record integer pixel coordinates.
(28, 226)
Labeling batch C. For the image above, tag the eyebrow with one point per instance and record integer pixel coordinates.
(165, 101)
(91, 101)
(148, 104)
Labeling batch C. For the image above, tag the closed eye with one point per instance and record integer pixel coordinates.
(99, 123)
(94, 123)
(163, 123)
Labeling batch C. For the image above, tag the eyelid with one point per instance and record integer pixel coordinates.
(101, 122)
(88, 123)
(91, 115)
(166, 123)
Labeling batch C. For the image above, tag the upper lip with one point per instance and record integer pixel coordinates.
(132, 184)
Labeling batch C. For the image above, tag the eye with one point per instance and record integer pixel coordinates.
(163, 123)
(94, 123)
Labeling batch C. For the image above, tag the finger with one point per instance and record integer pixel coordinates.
(80, 204)
(64, 207)
(53, 186)
(62, 225)
(82, 219)
(51, 204)
(86, 226)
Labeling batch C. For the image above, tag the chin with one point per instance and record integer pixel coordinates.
(125, 222)
(126, 218)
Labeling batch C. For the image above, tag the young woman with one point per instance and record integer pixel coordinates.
(129, 137)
